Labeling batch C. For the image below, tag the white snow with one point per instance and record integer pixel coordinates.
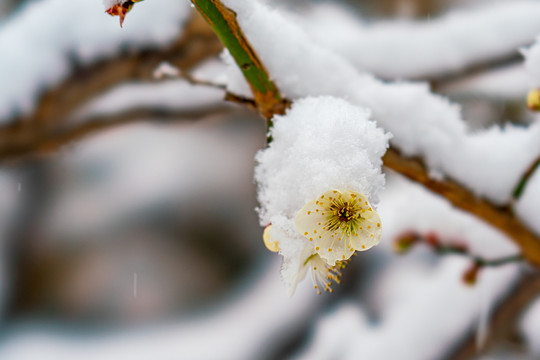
(322, 143)
(423, 124)
(510, 82)
(415, 49)
(35, 57)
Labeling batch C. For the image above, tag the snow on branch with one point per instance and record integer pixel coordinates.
(47, 123)
(430, 48)
(36, 57)
(423, 124)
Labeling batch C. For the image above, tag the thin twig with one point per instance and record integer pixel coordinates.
(19, 136)
(518, 191)
(501, 218)
(407, 240)
(49, 142)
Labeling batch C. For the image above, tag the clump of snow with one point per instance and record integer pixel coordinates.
(414, 49)
(322, 143)
(423, 124)
(36, 56)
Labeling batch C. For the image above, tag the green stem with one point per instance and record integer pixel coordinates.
(223, 21)
(518, 191)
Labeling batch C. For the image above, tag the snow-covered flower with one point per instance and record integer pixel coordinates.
(119, 8)
(339, 223)
(321, 143)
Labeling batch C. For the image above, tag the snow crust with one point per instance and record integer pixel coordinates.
(414, 49)
(35, 57)
(423, 124)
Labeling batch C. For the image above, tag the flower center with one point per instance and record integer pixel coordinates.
(344, 216)
(346, 213)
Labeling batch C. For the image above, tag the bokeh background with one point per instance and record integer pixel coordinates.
(138, 237)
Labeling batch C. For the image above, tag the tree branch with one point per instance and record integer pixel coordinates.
(63, 136)
(518, 191)
(501, 218)
(19, 136)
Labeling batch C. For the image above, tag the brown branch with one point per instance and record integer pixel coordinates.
(501, 218)
(197, 42)
(60, 137)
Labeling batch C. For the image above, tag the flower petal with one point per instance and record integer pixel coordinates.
(370, 231)
(270, 243)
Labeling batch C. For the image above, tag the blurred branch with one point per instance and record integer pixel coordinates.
(407, 240)
(503, 323)
(501, 218)
(197, 43)
(60, 137)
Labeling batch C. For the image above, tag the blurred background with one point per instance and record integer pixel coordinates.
(127, 209)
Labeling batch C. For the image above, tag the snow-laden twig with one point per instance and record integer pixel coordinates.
(441, 47)
(46, 123)
(503, 219)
